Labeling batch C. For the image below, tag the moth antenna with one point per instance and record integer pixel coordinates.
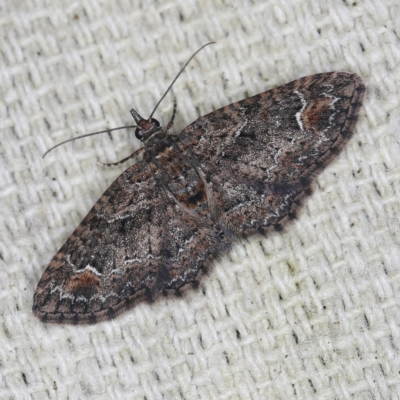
(177, 76)
(88, 134)
(134, 126)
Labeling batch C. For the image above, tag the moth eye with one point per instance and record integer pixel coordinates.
(139, 134)
(155, 122)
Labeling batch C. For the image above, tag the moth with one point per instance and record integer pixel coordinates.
(239, 171)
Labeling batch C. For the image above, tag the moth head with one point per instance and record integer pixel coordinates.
(145, 127)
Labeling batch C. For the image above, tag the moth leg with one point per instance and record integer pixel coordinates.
(215, 210)
(171, 122)
(133, 155)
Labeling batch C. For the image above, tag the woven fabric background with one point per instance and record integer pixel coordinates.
(310, 313)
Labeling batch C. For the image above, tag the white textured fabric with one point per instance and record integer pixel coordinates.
(311, 313)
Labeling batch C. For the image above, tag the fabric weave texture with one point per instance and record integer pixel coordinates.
(309, 313)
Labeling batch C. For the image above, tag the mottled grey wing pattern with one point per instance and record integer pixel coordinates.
(234, 172)
(98, 273)
(262, 152)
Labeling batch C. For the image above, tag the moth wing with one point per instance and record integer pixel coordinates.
(133, 244)
(261, 153)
